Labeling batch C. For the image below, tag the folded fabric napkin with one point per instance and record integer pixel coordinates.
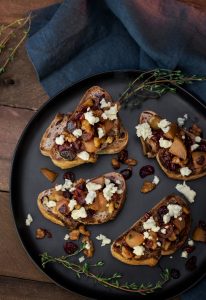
(79, 38)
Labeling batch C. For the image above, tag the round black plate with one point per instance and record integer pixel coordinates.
(27, 182)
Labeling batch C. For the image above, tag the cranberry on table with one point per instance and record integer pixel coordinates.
(69, 175)
(146, 171)
(123, 155)
(126, 173)
(175, 274)
(70, 248)
(191, 263)
(189, 249)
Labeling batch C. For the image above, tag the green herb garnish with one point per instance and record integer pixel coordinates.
(113, 281)
(153, 84)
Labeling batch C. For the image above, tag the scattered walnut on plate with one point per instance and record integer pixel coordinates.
(50, 175)
(147, 187)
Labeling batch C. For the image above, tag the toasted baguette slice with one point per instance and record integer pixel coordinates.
(55, 204)
(151, 236)
(112, 139)
(179, 154)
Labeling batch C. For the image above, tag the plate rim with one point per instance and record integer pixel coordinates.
(42, 107)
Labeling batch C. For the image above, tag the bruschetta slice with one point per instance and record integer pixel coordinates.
(180, 153)
(93, 128)
(161, 231)
(93, 201)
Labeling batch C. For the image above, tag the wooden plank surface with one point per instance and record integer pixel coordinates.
(20, 289)
(12, 122)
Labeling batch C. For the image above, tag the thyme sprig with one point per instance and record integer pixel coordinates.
(153, 84)
(8, 32)
(113, 281)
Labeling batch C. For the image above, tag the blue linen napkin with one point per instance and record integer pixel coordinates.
(78, 38)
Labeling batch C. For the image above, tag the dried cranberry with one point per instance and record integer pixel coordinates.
(69, 175)
(71, 125)
(77, 145)
(188, 141)
(87, 136)
(90, 213)
(146, 170)
(191, 263)
(48, 233)
(63, 209)
(79, 196)
(81, 186)
(149, 243)
(68, 154)
(202, 147)
(157, 135)
(70, 247)
(67, 194)
(163, 210)
(175, 274)
(202, 224)
(77, 116)
(189, 249)
(126, 173)
(200, 161)
(147, 216)
(123, 155)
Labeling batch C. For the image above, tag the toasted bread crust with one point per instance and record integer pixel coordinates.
(99, 217)
(154, 258)
(47, 145)
(144, 117)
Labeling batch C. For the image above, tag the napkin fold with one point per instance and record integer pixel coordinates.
(79, 38)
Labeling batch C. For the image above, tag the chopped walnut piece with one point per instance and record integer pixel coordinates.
(196, 130)
(41, 233)
(131, 162)
(89, 248)
(83, 230)
(199, 235)
(115, 164)
(74, 235)
(126, 253)
(50, 175)
(147, 187)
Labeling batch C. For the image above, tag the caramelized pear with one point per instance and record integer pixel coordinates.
(172, 131)
(199, 160)
(134, 238)
(178, 148)
(154, 121)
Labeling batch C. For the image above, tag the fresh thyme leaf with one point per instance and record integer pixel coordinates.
(153, 84)
(113, 281)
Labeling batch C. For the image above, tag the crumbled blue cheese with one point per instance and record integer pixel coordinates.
(185, 171)
(59, 187)
(79, 213)
(110, 113)
(174, 210)
(139, 250)
(90, 197)
(144, 130)
(29, 220)
(164, 143)
(184, 254)
(104, 239)
(186, 191)
(81, 259)
(198, 139)
(156, 180)
(101, 132)
(181, 121)
(72, 204)
(163, 230)
(104, 104)
(194, 147)
(146, 234)
(151, 224)
(87, 245)
(91, 186)
(91, 118)
(67, 184)
(84, 155)
(51, 204)
(159, 244)
(190, 242)
(77, 133)
(59, 140)
(66, 237)
(164, 125)
(109, 190)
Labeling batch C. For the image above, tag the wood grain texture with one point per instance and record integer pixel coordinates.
(20, 289)
(12, 122)
(13, 259)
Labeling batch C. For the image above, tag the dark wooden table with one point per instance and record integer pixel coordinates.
(19, 278)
